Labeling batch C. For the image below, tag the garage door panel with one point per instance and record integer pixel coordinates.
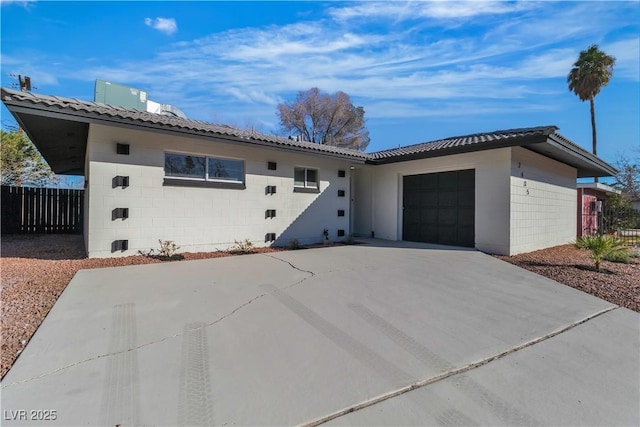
(412, 215)
(447, 235)
(429, 216)
(428, 182)
(466, 201)
(428, 233)
(465, 236)
(412, 199)
(429, 199)
(440, 208)
(412, 181)
(466, 179)
(447, 217)
(447, 199)
(447, 181)
(466, 218)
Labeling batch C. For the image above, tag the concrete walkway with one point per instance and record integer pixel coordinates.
(371, 334)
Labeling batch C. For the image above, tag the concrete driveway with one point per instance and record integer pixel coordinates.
(371, 334)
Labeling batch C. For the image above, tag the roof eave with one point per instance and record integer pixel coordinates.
(17, 107)
(470, 148)
(551, 145)
(587, 164)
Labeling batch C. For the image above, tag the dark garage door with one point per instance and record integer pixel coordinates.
(439, 208)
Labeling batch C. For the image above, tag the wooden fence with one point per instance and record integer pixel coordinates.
(27, 210)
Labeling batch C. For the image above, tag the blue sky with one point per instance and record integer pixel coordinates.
(421, 70)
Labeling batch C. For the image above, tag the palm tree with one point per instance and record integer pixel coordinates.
(589, 74)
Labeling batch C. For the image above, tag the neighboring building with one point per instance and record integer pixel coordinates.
(118, 95)
(151, 176)
(592, 198)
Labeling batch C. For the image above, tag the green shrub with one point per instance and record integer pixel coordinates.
(601, 246)
(623, 257)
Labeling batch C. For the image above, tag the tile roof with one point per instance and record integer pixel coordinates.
(100, 110)
(469, 141)
(543, 139)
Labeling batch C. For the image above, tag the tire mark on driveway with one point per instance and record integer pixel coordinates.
(389, 372)
(195, 406)
(472, 389)
(121, 401)
(445, 375)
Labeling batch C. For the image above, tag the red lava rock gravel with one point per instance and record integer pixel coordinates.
(617, 283)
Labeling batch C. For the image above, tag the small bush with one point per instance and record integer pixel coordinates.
(601, 246)
(294, 244)
(168, 248)
(622, 257)
(243, 247)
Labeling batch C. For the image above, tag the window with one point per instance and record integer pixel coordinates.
(184, 166)
(225, 170)
(191, 168)
(305, 178)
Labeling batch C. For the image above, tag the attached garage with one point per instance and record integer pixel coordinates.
(503, 192)
(439, 208)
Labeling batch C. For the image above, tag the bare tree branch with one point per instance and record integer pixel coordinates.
(322, 118)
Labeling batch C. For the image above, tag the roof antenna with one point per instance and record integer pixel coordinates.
(24, 82)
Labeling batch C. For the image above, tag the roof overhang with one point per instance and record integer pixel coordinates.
(60, 134)
(553, 146)
(564, 151)
(59, 128)
(62, 142)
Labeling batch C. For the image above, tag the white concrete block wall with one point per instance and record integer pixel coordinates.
(204, 219)
(363, 199)
(492, 194)
(543, 202)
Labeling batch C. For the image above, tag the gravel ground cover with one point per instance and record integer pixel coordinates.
(35, 269)
(616, 282)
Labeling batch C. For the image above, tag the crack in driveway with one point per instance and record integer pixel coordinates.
(292, 266)
(176, 335)
(452, 372)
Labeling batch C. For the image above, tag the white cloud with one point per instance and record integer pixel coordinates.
(24, 3)
(164, 25)
(503, 65)
(437, 10)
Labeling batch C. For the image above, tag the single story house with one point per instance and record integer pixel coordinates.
(151, 176)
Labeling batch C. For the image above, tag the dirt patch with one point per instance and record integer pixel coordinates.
(35, 269)
(616, 282)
